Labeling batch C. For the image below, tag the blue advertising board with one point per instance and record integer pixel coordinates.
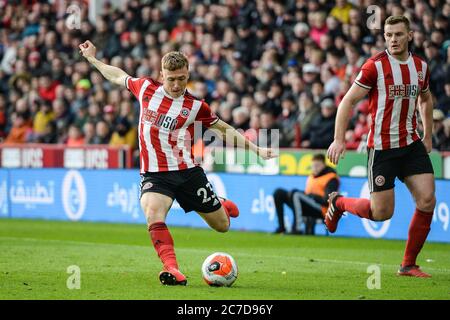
(4, 203)
(87, 195)
(113, 196)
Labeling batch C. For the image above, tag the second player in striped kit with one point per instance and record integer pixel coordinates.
(397, 83)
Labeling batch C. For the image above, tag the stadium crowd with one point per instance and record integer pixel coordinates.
(259, 64)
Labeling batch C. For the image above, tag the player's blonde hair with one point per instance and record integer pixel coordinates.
(398, 19)
(174, 60)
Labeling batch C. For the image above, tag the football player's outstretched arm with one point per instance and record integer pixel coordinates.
(228, 133)
(337, 148)
(111, 73)
(426, 114)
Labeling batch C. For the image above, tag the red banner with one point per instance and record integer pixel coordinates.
(60, 156)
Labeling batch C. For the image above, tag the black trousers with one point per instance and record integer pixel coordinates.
(301, 205)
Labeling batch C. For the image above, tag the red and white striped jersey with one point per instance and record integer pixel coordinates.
(394, 89)
(166, 125)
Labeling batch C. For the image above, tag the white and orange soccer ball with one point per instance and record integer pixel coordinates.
(219, 270)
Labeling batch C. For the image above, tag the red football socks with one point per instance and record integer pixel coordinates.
(417, 234)
(357, 206)
(163, 243)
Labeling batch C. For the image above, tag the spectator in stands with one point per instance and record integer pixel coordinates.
(75, 136)
(444, 102)
(310, 204)
(47, 87)
(437, 75)
(356, 136)
(89, 132)
(287, 121)
(127, 111)
(19, 130)
(270, 135)
(330, 81)
(333, 59)
(82, 92)
(225, 112)
(318, 91)
(3, 115)
(296, 84)
(321, 131)
(274, 98)
(21, 106)
(319, 27)
(246, 43)
(308, 111)
(341, 11)
(311, 73)
(50, 134)
(367, 44)
(109, 115)
(42, 118)
(102, 133)
(439, 137)
(62, 117)
(94, 113)
(253, 132)
(241, 118)
(417, 45)
(445, 145)
(124, 134)
(354, 62)
(81, 117)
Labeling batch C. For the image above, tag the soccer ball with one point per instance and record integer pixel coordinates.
(219, 270)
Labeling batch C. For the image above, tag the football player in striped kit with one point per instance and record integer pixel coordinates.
(168, 113)
(397, 83)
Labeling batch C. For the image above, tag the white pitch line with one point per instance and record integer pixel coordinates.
(208, 250)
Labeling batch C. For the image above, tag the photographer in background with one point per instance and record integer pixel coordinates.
(309, 204)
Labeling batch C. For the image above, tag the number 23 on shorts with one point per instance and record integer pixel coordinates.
(206, 193)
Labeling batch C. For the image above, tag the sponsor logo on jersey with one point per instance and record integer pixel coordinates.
(159, 119)
(403, 91)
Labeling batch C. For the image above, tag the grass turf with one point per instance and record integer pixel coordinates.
(117, 262)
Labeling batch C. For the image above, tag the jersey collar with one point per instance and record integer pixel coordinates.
(170, 97)
(398, 61)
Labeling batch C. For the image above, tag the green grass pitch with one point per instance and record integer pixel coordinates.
(117, 262)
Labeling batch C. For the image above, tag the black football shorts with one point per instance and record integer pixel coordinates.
(189, 187)
(383, 166)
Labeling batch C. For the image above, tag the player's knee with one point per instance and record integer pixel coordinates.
(222, 227)
(222, 224)
(153, 213)
(426, 203)
(382, 213)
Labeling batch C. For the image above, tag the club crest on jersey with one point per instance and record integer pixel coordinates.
(184, 112)
(420, 75)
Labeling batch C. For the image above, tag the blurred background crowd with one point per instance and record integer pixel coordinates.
(259, 64)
